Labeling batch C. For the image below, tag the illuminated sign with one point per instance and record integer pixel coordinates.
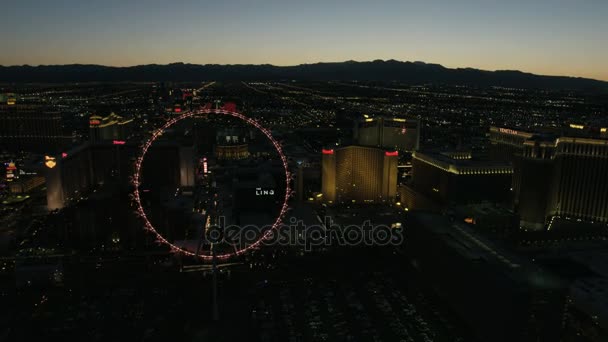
(119, 142)
(177, 110)
(399, 120)
(324, 151)
(369, 120)
(205, 165)
(576, 126)
(508, 131)
(10, 168)
(391, 154)
(63, 155)
(603, 130)
(94, 122)
(264, 192)
(49, 162)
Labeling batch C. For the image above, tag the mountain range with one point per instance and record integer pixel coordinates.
(378, 70)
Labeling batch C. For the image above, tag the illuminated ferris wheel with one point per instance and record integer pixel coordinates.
(136, 180)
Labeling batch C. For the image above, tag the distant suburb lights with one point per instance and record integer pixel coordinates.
(229, 111)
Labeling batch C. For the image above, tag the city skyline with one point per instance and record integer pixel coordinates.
(539, 38)
(322, 170)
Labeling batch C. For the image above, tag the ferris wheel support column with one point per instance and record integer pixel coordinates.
(216, 311)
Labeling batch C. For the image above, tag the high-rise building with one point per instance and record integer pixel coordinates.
(72, 174)
(556, 176)
(506, 144)
(359, 174)
(566, 178)
(232, 144)
(328, 175)
(112, 127)
(390, 133)
(31, 127)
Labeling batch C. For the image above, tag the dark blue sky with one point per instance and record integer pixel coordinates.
(542, 36)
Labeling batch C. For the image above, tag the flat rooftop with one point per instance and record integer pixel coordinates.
(460, 165)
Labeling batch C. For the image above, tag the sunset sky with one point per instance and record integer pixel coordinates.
(554, 37)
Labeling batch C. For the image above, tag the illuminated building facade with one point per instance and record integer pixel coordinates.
(359, 174)
(507, 144)
(8, 98)
(389, 133)
(112, 127)
(557, 176)
(457, 178)
(231, 144)
(581, 179)
(565, 178)
(596, 130)
(11, 169)
(328, 175)
(30, 127)
(231, 152)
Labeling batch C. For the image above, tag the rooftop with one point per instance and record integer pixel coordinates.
(461, 165)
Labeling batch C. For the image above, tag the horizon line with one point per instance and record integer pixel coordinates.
(307, 63)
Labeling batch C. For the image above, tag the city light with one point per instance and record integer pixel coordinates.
(366, 171)
(50, 162)
(201, 112)
(508, 131)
